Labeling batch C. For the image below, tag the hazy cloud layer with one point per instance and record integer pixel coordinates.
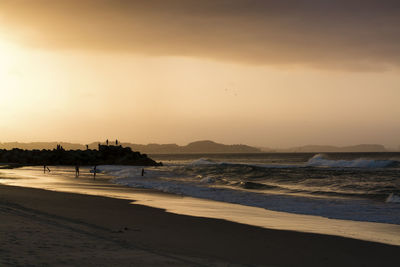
(342, 34)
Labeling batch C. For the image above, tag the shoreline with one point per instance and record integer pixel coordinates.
(201, 240)
(62, 179)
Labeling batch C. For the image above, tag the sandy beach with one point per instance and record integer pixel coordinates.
(41, 227)
(199, 133)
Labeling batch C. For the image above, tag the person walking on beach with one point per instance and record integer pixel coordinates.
(76, 170)
(116, 142)
(107, 142)
(94, 172)
(44, 168)
(142, 172)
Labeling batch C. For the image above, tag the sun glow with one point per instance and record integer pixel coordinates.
(46, 94)
(9, 74)
(6, 64)
(4, 59)
(15, 95)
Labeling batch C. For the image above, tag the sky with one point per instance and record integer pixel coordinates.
(259, 72)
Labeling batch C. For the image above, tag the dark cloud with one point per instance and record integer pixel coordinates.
(343, 34)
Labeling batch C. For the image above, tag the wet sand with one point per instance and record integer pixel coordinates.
(41, 227)
(62, 179)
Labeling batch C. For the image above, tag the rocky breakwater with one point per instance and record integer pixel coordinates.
(104, 155)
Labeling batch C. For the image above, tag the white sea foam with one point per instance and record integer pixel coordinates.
(393, 198)
(203, 161)
(207, 180)
(320, 161)
(204, 187)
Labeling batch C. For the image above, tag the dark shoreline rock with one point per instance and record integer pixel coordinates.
(105, 155)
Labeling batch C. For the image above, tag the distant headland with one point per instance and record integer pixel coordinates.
(198, 147)
(194, 147)
(103, 155)
(335, 149)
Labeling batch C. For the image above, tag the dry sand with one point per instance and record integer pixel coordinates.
(39, 227)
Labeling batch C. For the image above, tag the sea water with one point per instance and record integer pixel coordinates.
(241, 184)
(348, 186)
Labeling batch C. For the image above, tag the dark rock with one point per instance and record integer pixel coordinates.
(104, 155)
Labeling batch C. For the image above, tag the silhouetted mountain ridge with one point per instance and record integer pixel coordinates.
(204, 146)
(355, 148)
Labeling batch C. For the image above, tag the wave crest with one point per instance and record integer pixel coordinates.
(319, 160)
(393, 198)
(203, 161)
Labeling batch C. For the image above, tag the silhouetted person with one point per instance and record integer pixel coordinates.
(76, 171)
(87, 147)
(116, 142)
(142, 172)
(45, 168)
(99, 146)
(107, 142)
(94, 172)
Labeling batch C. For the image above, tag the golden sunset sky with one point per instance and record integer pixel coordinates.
(266, 73)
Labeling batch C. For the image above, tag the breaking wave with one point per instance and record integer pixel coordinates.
(393, 198)
(250, 193)
(357, 187)
(319, 160)
(203, 161)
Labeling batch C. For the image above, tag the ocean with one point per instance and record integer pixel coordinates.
(348, 186)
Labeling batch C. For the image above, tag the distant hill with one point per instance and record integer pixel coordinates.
(42, 145)
(194, 147)
(205, 146)
(356, 148)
